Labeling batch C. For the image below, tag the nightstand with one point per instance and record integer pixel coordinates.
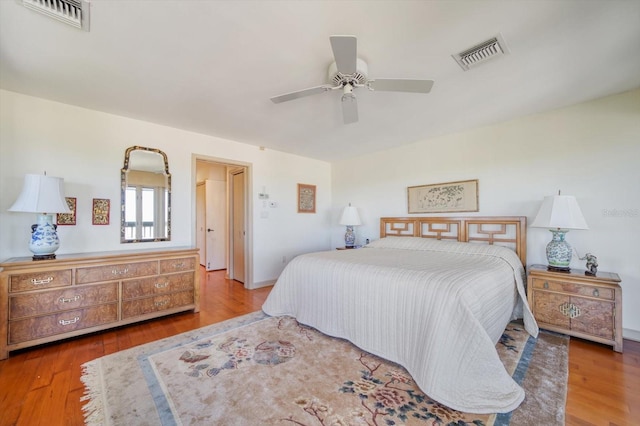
(580, 305)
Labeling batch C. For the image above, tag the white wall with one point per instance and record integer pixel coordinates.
(87, 148)
(590, 150)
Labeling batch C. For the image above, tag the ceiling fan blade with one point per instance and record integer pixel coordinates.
(349, 109)
(300, 93)
(345, 52)
(401, 85)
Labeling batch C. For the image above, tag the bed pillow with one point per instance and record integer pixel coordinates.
(407, 243)
(431, 244)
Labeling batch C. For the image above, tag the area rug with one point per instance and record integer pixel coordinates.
(261, 370)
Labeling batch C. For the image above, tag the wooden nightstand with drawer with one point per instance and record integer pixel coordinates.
(580, 305)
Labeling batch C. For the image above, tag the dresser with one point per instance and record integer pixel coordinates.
(580, 305)
(48, 300)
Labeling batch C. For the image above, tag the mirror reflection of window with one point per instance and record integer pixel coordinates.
(146, 196)
(147, 210)
(140, 216)
(130, 213)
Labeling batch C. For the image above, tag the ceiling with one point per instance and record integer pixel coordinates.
(211, 66)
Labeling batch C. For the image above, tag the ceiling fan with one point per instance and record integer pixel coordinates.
(349, 72)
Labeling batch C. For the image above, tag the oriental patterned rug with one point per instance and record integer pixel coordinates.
(260, 370)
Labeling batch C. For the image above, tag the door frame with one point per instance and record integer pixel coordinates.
(248, 216)
(231, 173)
(200, 236)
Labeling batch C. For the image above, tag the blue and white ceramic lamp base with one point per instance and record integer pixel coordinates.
(44, 238)
(559, 252)
(350, 237)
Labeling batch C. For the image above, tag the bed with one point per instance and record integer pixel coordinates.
(433, 294)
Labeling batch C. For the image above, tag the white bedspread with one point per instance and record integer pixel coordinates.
(437, 308)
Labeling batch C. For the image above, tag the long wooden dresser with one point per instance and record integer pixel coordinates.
(48, 300)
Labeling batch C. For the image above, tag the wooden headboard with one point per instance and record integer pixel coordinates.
(510, 231)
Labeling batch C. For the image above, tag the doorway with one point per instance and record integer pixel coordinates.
(221, 216)
(211, 216)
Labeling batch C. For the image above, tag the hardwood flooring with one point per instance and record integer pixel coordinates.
(41, 386)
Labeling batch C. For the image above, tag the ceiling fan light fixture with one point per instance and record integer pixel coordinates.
(481, 53)
(347, 91)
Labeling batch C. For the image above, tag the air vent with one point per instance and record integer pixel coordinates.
(481, 53)
(71, 12)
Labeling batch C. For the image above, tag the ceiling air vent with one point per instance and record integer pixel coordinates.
(481, 53)
(71, 12)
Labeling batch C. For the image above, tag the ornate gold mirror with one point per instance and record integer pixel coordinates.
(145, 196)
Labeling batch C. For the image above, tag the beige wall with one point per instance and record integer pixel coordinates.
(87, 147)
(590, 150)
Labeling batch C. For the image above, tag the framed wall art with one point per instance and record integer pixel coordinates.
(306, 198)
(68, 218)
(447, 197)
(101, 208)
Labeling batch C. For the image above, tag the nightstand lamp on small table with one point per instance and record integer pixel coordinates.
(350, 218)
(559, 213)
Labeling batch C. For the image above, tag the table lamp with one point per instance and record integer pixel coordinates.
(350, 218)
(44, 195)
(559, 213)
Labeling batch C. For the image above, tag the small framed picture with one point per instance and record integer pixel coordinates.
(101, 207)
(68, 218)
(306, 198)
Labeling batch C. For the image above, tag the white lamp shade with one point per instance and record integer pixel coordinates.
(560, 211)
(41, 194)
(350, 216)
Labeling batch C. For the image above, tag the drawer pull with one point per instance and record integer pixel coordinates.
(161, 303)
(70, 299)
(69, 322)
(178, 265)
(162, 285)
(570, 310)
(596, 293)
(546, 285)
(121, 272)
(36, 281)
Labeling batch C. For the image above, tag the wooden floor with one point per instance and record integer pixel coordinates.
(41, 386)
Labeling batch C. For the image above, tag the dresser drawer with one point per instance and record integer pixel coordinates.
(145, 287)
(39, 280)
(575, 288)
(40, 303)
(136, 307)
(177, 265)
(63, 322)
(115, 272)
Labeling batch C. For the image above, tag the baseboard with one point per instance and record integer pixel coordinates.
(631, 334)
(263, 284)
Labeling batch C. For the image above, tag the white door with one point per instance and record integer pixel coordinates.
(238, 225)
(215, 225)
